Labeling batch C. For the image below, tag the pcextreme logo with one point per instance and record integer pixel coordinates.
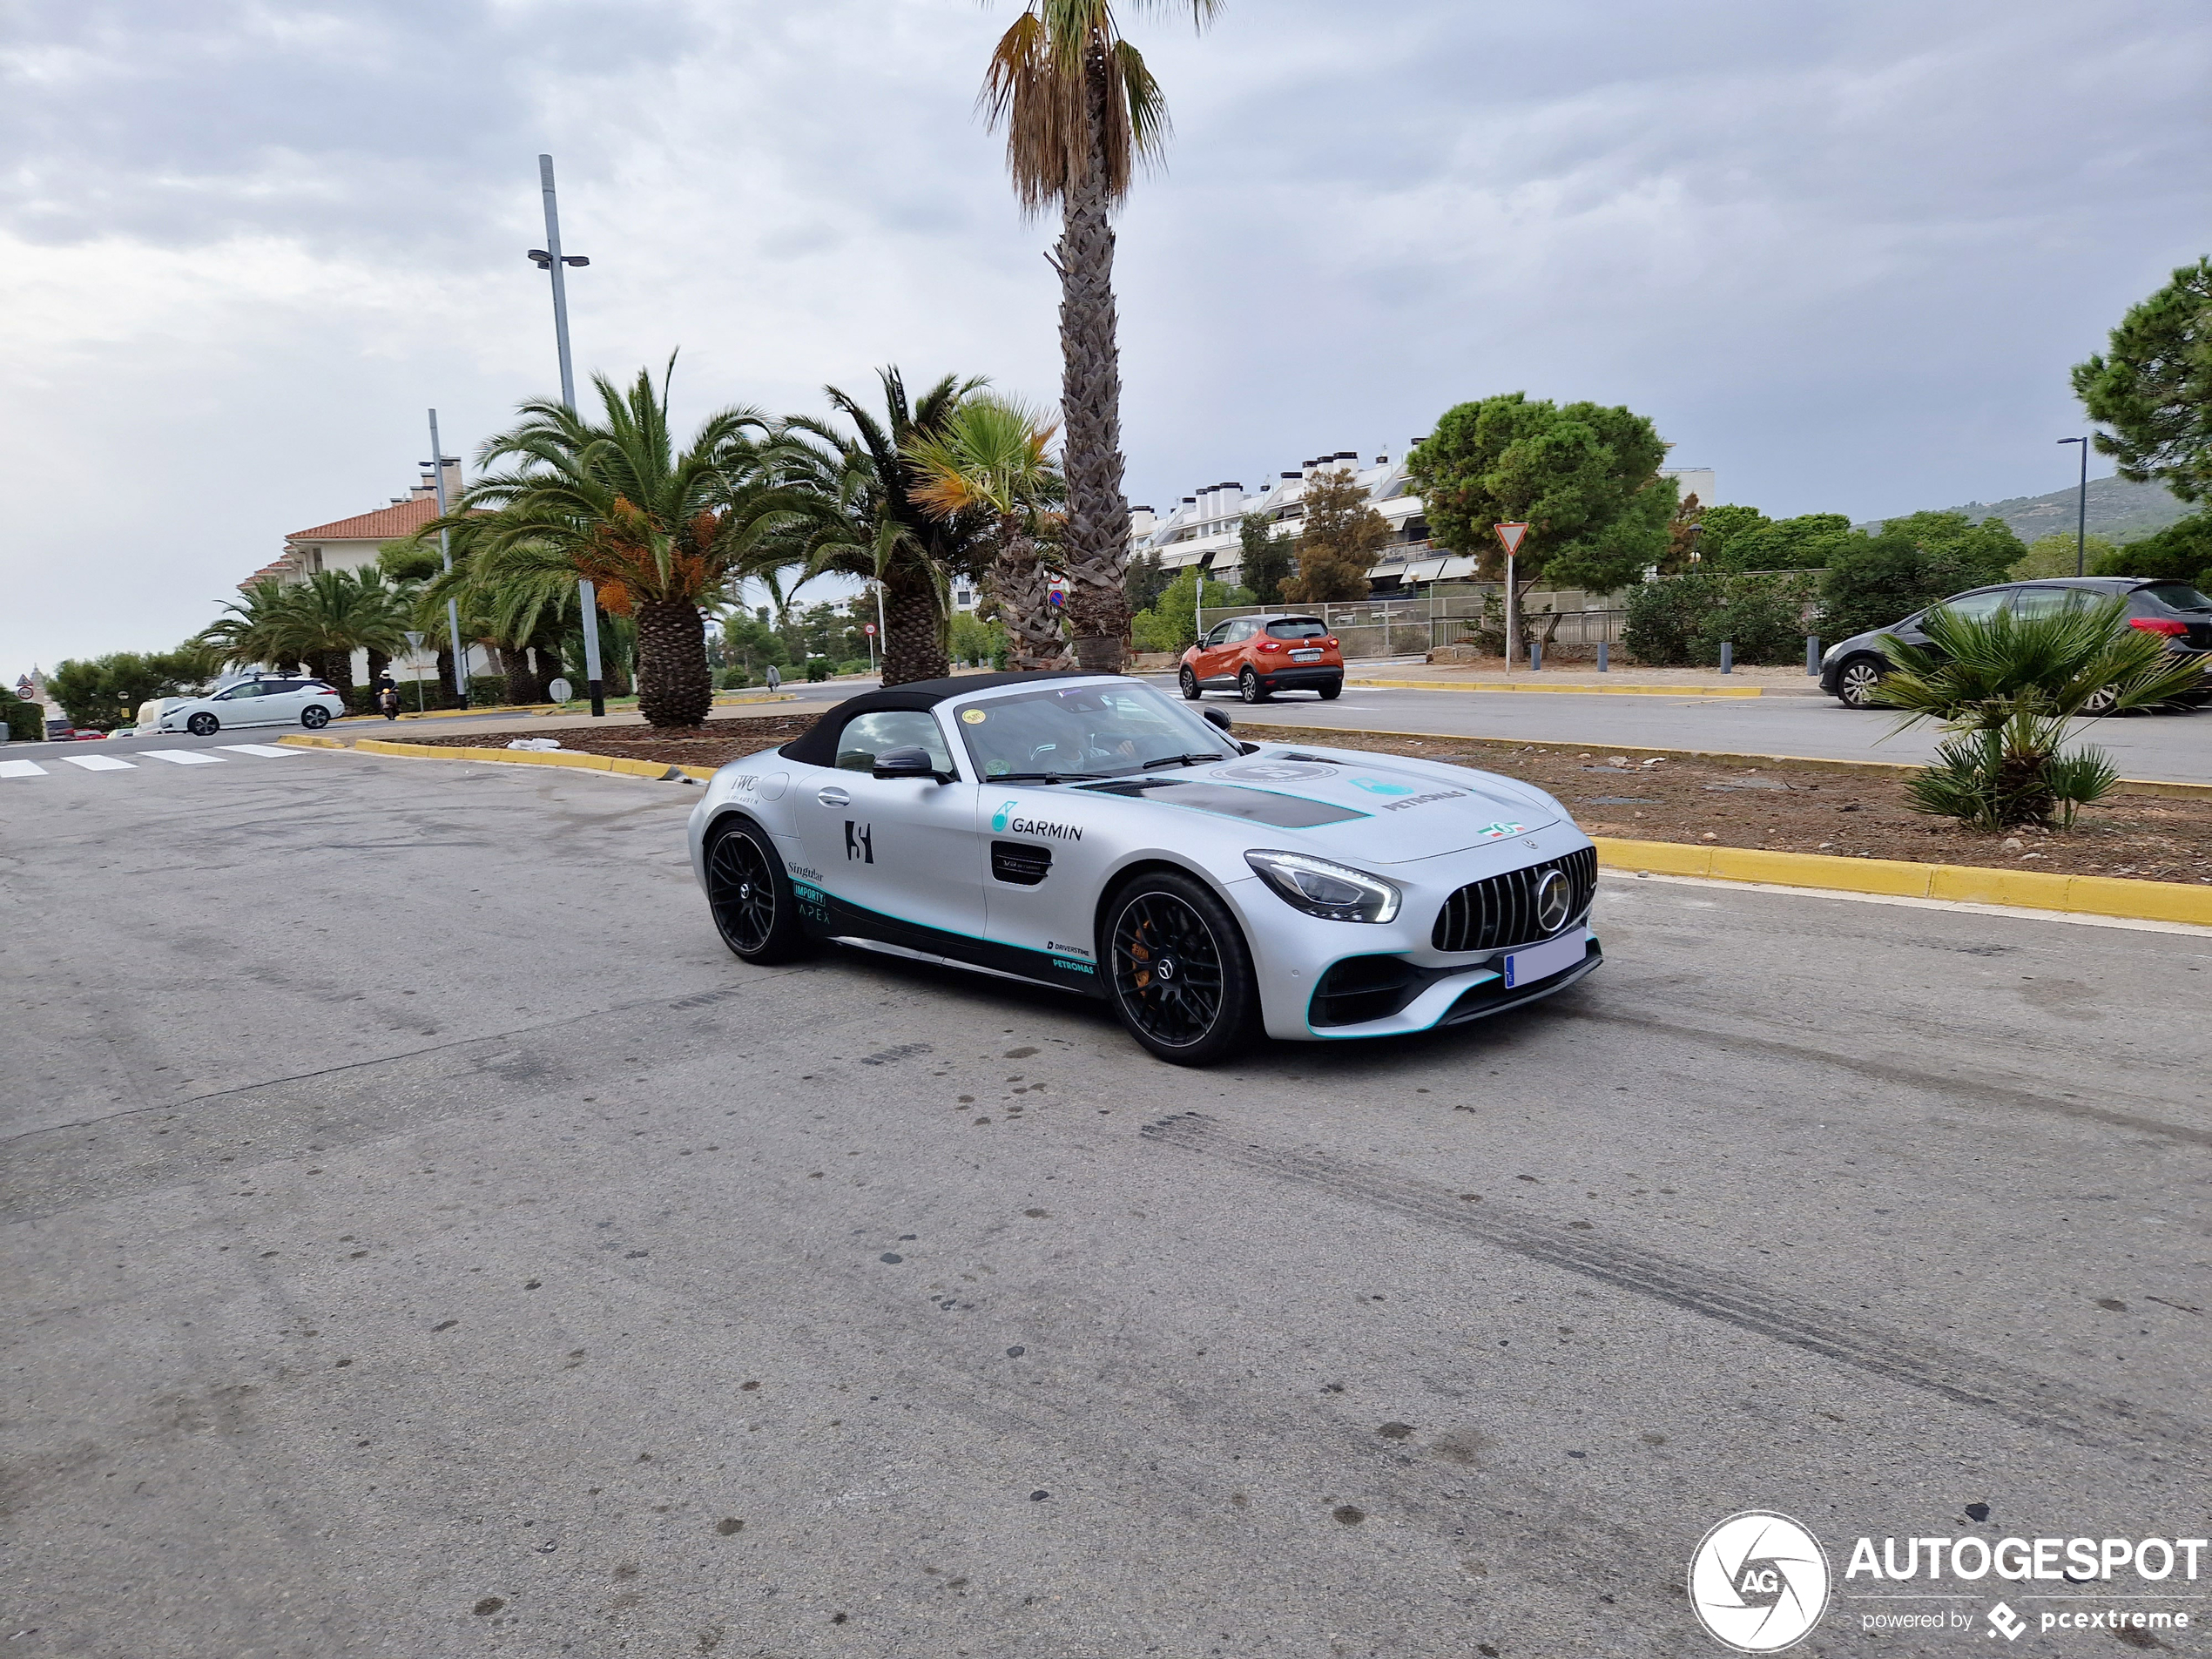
(1004, 822)
(1759, 1582)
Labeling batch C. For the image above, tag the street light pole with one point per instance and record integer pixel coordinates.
(445, 553)
(2081, 510)
(549, 258)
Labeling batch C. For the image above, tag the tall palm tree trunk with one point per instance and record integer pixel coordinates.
(1022, 588)
(522, 681)
(913, 619)
(674, 684)
(1091, 396)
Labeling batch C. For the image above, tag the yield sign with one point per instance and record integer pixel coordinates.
(1511, 534)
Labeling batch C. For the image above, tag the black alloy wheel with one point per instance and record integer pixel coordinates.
(1189, 684)
(1248, 686)
(1332, 691)
(315, 717)
(203, 725)
(1178, 969)
(1856, 682)
(754, 908)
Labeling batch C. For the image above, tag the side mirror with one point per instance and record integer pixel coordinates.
(1218, 718)
(905, 762)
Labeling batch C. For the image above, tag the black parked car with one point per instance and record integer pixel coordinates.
(1850, 670)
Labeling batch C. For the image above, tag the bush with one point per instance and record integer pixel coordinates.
(488, 691)
(817, 669)
(26, 722)
(734, 680)
(1666, 617)
(1764, 617)
(1875, 581)
(2181, 552)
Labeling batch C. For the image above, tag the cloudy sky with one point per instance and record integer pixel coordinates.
(1844, 251)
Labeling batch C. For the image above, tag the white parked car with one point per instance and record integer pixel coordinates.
(264, 700)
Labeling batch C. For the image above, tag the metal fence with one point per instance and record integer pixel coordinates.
(1441, 616)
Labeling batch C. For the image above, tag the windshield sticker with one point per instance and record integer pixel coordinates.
(998, 768)
(1004, 822)
(1273, 771)
(1423, 800)
(974, 717)
(1376, 786)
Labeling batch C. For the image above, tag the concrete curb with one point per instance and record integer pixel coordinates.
(574, 759)
(2095, 895)
(555, 711)
(1878, 768)
(1597, 691)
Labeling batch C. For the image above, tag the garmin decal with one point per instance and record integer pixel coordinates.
(1005, 822)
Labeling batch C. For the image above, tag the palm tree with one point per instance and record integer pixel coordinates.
(990, 457)
(2009, 688)
(659, 530)
(334, 613)
(1080, 111)
(847, 504)
(257, 629)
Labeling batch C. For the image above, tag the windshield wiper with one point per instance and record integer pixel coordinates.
(1183, 760)
(1044, 777)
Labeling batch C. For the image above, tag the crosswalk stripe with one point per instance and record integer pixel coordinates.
(98, 763)
(183, 757)
(20, 769)
(269, 750)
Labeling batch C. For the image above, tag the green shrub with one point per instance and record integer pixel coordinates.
(26, 722)
(488, 691)
(1666, 618)
(1874, 581)
(1764, 617)
(735, 679)
(818, 669)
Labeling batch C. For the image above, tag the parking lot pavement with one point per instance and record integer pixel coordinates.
(425, 1236)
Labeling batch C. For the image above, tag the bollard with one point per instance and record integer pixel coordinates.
(1727, 656)
(1812, 655)
(1535, 655)
(1601, 656)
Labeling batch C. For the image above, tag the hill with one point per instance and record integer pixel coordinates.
(2119, 511)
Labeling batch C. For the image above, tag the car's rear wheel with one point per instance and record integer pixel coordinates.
(1248, 686)
(1179, 970)
(1189, 684)
(1856, 681)
(1332, 691)
(203, 725)
(315, 717)
(750, 896)
(2101, 700)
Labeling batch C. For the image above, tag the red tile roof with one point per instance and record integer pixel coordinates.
(382, 525)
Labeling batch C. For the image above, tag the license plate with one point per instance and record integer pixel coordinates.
(1305, 656)
(1541, 961)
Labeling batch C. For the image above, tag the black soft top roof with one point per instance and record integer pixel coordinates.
(817, 745)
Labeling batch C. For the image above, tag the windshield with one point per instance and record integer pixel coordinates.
(2175, 596)
(1298, 628)
(1086, 731)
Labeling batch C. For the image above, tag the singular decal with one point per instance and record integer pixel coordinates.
(805, 872)
(1376, 786)
(974, 717)
(1004, 822)
(1423, 800)
(860, 842)
(1498, 831)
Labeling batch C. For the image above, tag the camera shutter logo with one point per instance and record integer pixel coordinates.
(1554, 897)
(1759, 1582)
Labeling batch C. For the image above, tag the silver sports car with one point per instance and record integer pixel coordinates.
(1083, 831)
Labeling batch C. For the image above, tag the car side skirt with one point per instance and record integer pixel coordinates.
(826, 916)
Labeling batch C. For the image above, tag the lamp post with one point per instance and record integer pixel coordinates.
(437, 465)
(550, 259)
(2081, 510)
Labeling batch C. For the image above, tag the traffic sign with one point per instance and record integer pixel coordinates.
(1058, 597)
(868, 628)
(1511, 534)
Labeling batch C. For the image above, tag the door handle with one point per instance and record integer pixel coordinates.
(833, 796)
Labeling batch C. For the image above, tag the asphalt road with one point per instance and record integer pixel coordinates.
(424, 1238)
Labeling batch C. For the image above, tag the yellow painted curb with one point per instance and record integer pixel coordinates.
(1725, 757)
(1600, 690)
(302, 740)
(2097, 895)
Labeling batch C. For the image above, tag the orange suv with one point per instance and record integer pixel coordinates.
(1256, 657)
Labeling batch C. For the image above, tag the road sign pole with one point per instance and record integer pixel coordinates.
(1509, 537)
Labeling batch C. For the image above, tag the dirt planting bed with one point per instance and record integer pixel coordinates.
(1799, 808)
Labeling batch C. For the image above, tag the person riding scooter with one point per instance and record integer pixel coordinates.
(387, 696)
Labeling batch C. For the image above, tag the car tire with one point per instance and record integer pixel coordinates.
(1178, 971)
(2101, 701)
(1189, 684)
(750, 896)
(203, 725)
(1331, 691)
(315, 717)
(1856, 682)
(1248, 688)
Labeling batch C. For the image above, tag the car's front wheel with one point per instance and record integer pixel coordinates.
(750, 896)
(203, 725)
(1189, 684)
(1857, 681)
(1179, 970)
(1248, 688)
(315, 717)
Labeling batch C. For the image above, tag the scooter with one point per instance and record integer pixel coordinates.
(387, 700)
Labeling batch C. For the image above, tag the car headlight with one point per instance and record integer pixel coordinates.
(1333, 892)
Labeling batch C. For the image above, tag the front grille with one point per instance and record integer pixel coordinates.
(1499, 912)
